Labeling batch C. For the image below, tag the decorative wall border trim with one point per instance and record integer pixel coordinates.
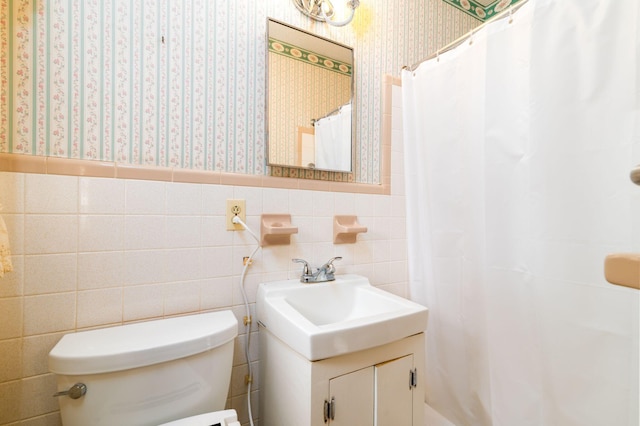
(308, 57)
(479, 11)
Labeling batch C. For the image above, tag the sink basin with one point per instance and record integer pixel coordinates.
(323, 320)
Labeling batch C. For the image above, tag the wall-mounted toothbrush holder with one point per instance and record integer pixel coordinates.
(346, 228)
(276, 229)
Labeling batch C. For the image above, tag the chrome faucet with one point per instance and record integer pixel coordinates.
(324, 273)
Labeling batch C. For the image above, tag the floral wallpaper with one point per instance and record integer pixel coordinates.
(181, 83)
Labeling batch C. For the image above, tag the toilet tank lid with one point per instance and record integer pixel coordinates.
(141, 344)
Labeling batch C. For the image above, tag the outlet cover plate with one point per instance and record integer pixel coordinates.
(236, 207)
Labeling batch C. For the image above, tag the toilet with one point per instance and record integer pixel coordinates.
(172, 371)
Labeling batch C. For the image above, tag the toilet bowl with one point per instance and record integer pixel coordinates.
(164, 371)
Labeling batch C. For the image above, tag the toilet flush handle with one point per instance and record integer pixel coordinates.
(74, 392)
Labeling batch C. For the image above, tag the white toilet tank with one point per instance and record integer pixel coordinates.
(146, 373)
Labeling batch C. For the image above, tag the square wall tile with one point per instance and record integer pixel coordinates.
(275, 259)
(381, 229)
(216, 262)
(322, 229)
(36, 351)
(305, 229)
(11, 310)
(36, 396)
(49, 313)
(143, 301)
(214, 231)
(347, 252)
(99, 307)
(50, 234)
(183, 231)
(183, 265)
(145, 267)
(300, 203)
(382, 206)
(50, 273)
(100, 270)
(381, 251)
(144, 197)
(275, 200)
(398, 271)
(398, 228)
(101, 233)
(144, 232)
(181, 297)
(214, 199)
(363, 252)
(323, 204)
(101, 196)
(322, 252)
(380, 274)
(365, 205)
(10, 395)
(184, 199)
(12, 284)
(15, 229)
(51, 194)
(10, 360)
(12, 192)
(398, 206)
(216, 293)
(345, 204)
(397, 250)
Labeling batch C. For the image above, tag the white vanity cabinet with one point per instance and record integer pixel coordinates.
(380, 386)
(378, 395)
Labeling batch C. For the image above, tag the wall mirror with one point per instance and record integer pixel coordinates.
(309, 100)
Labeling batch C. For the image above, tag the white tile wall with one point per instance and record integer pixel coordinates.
(91, 252)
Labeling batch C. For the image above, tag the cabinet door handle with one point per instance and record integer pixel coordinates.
(413, 378)
(329, 409)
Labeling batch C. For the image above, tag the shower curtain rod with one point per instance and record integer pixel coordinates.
(329, 114)
(507, 12)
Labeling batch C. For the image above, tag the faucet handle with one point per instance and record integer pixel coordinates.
(305, 268)
(333, 259)
(329, 267)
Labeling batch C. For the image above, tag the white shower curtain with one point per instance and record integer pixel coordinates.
(333, 141)
(518, 147)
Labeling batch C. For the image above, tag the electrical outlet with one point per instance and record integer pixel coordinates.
(236, 208)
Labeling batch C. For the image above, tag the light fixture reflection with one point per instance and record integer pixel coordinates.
(325, 11)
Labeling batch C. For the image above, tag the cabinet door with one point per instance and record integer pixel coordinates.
(353, 398)
(394, 393)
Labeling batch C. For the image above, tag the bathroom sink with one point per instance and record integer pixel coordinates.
(322, 320)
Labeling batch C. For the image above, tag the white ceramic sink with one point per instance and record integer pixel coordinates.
(322, 320)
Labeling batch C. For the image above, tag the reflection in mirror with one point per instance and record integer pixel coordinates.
(309, 106)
